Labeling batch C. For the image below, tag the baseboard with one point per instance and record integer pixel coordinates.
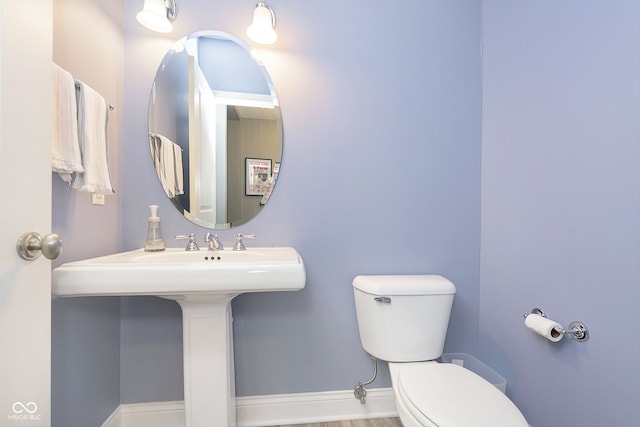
(258, 411)
(156, 414)
(300, 408)
(114, 420)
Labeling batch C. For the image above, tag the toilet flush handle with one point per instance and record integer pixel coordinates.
(384, 300)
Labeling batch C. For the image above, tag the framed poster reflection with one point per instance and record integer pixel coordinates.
(257, 176)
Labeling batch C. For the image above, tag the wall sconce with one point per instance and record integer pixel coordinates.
(157, 15)
(262, 29)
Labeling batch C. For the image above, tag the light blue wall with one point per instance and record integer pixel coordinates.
(560, 205)
(88, 42)
(381, 174)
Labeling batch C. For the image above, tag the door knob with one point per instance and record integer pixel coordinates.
(31, 245)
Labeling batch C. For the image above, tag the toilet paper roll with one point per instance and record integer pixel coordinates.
(547, 328)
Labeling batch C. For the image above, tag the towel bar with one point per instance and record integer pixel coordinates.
(111, 107)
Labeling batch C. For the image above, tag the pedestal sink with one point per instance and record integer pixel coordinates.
(203, 283)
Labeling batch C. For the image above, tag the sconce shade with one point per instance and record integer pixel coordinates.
(154, 16)
(262, 29)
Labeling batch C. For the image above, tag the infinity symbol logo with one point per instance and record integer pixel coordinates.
(19, 407)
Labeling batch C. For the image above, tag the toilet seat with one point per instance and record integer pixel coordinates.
(448, 395)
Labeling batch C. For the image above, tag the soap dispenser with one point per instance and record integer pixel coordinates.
(154, 236)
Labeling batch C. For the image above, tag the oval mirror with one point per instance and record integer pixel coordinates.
(215, 130)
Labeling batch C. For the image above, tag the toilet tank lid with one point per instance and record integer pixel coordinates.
(404, 285)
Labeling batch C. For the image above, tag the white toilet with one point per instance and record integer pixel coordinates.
(404, 320)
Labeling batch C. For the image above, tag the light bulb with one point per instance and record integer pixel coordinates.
(261, 29)
(154, 16)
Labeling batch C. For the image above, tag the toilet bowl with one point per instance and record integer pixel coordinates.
(403, 320)
(431, 394)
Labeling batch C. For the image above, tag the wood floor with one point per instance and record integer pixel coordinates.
(379, 422)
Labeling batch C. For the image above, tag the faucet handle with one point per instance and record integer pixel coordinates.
(239, 245)
(213, 242)
(192, 245)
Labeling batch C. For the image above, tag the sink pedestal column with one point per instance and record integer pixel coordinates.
(209, 379)
(204, 289)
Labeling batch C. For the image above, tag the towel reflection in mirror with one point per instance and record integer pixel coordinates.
(167, 160)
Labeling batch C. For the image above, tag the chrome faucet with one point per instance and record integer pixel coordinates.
(213, 242)
(239, 245)
(192, 245)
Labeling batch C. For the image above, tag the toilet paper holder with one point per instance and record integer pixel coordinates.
(577, 330)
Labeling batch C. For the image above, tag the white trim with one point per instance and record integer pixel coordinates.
(254, 411)
(157, 414)
(303, 408)
(114, 420)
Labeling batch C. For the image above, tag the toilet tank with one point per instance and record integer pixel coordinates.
(403, 318)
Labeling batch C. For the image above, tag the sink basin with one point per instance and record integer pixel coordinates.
(203, 283)
(177, 274)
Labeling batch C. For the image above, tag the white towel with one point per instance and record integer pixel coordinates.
(65, 155)
(168, 166)
(168, 161)
(154, 146)
(92, 133)
(177, 159)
